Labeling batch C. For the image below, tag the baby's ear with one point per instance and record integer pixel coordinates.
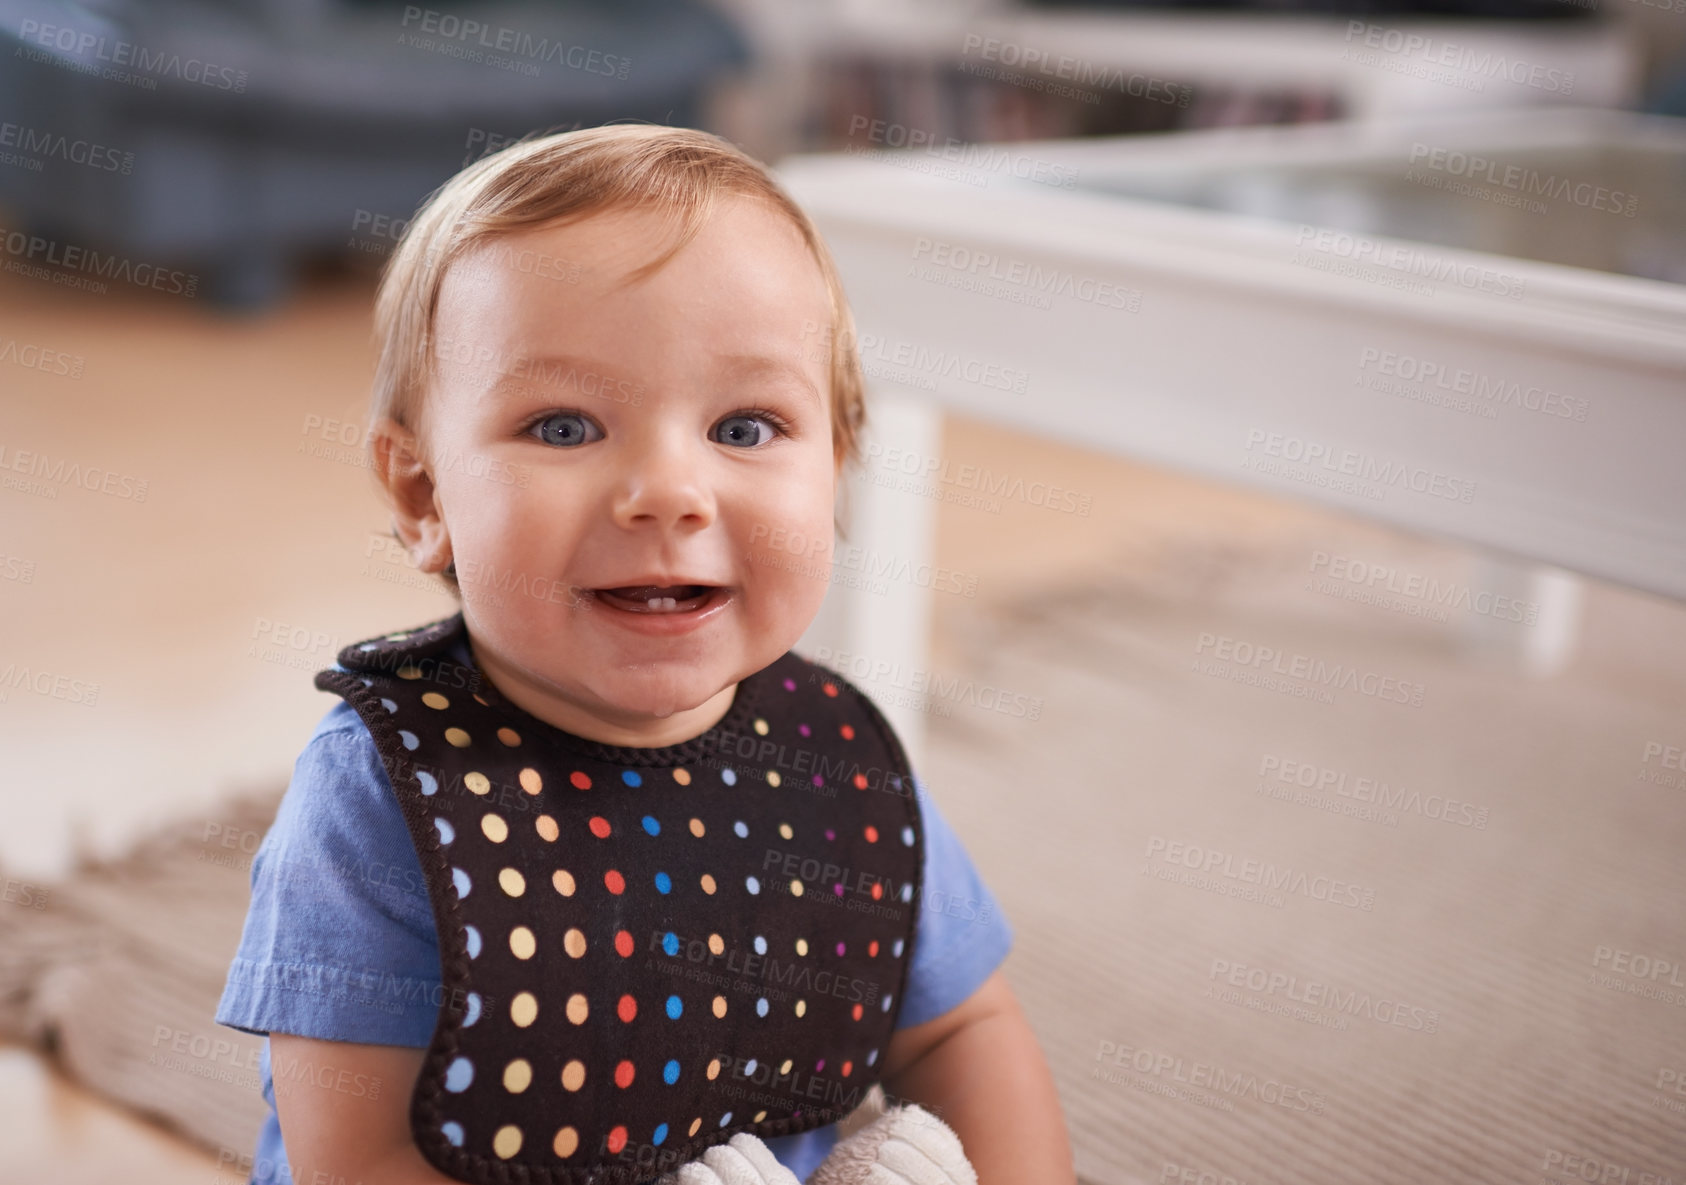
(398, 464)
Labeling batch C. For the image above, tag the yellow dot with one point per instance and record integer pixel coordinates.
(577, 1008)
(518, 1075)
(434, 700)
(784, 830)
(716, 944)
(574, 942)
(720, 1006)
(695, 1124)
(508, 1141)
(573, 1074)
(801, 1007)
(509, 737)
(548, 830)
(697, 828)
(524, 1009)
(409, 672)
(760, 726)
(511, 881)
(773, 777)
(564, 882)
(713, 1071)
(801, 946)
(522, 944)
(459, 738)
(495, 828)
(479, 783)
(567, 1141)
(759, 1116)
(784, 1067)
(682, 776)
(530, 781)
(796, 888)
(480, 701)
(707, 883)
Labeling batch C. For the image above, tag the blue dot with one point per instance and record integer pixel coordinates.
(743, 832)
(670, 943)
(907, 836)
(872, 1057)
(897, 950)
(674, 1008)
(458, 1075)
(428, 785)
(459, 878)
(453, 1133)
(730, 777)
(887, 998)
(446, 832)
(650, 825)
(409, 738)
(631, 778)
(664, 883)
(473, 942)
(749, 1066)
(761, 1006)
(907, 891)
(661, 1134)
(753, 885)
(670, 1074)
(473, 1013)
(388, 704)
(725, 1119)
(760, 945)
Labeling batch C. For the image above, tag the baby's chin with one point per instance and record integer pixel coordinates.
(659, 694)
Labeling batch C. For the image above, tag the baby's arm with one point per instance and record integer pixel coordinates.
(335, 1135)
(978, 1068)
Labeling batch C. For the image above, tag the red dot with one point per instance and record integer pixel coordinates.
(623, 1075)
(830, 689)
(871, 833)
(847, 1066)
(627, 1009)
(617, 1138)
(872, 949)
(860, 781)
(857, 1011)
(877, 890)
(580, 781)
(600, 827)
(623, 944)
(614, 881)
(848, 731)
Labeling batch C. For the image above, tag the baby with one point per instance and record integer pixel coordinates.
(596, 873)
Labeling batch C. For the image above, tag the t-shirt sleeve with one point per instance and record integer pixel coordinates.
(961, 936)
(339, 941)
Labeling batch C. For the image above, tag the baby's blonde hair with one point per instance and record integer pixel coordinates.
(564, 177)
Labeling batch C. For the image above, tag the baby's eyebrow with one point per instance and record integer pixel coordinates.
(764, 365)
(570, 371)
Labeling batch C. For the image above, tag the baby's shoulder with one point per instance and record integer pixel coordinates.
(340, 790)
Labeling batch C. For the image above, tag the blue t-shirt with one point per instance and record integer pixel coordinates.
(339, 942)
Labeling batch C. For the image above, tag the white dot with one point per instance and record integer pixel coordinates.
(369, 646)
(760, 945)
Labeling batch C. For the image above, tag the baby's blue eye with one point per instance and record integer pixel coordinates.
(567, 429)
(743, 431)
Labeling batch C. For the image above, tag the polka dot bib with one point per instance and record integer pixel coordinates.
(644, 951)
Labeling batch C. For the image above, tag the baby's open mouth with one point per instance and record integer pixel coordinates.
(651, 598)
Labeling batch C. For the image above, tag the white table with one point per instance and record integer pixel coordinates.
(1264, 348)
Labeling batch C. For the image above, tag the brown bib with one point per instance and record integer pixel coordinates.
(644, 950)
